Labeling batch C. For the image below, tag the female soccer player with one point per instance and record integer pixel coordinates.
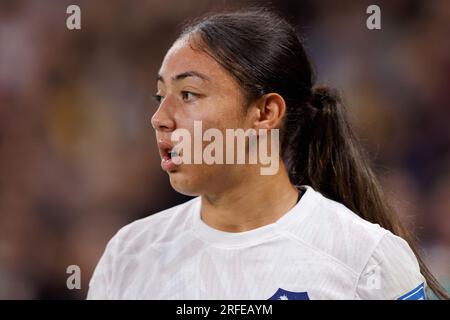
(318, 228)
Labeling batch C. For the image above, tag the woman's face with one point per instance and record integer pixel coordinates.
(193, 87)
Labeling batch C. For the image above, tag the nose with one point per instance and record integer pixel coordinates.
(162, 119)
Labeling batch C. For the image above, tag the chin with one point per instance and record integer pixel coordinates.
(184, 184)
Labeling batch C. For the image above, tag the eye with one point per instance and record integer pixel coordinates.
(188, 96)
(158, 98)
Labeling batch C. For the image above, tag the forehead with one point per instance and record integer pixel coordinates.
(181, 58)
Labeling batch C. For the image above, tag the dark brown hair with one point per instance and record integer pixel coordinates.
(263, 52)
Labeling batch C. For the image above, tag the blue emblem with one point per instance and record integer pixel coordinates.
(282, 294)
(417, 293)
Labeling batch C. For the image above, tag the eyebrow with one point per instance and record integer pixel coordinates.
(185, 75)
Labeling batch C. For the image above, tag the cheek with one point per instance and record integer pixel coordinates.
(223, 115)
(233, 111)
(212, 116)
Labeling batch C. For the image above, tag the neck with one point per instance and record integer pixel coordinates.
(255, 201)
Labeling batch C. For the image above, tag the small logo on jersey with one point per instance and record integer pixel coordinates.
(282, 294)
(417, 293)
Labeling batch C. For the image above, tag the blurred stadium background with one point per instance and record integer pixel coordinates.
(78, 158)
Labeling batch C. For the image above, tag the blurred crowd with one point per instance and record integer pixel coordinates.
(78, 157)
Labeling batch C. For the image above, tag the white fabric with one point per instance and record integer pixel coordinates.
(319, 247)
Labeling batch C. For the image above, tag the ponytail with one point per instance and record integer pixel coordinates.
(330, 160)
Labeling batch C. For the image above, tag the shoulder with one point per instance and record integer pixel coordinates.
(158, 227)
(131, 240)
(391, 272)
(334, 230)
(385, 265)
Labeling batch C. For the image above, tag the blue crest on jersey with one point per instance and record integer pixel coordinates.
(282, 294)
(417, 293)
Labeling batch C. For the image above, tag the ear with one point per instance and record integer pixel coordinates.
(269, 111)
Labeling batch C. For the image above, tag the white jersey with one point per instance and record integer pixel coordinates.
(317, 250)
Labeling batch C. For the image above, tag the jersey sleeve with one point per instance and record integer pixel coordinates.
(391, 273)
(102, 276)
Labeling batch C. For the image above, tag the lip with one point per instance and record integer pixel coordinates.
(166, 162)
